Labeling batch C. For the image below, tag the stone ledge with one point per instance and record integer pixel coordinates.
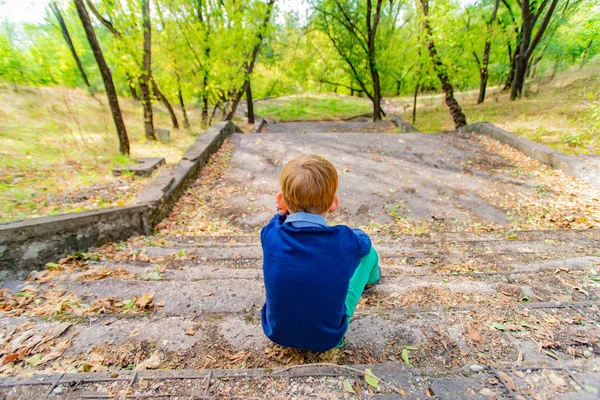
(30, 244)
(259, 124)
(144, 167)
(577, 167)
(404, 126)
(162, 192)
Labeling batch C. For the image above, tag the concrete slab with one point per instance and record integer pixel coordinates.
(144, 167)
(448, 178)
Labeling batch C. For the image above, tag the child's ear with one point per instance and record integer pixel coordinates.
(335, 205)
(280, 202)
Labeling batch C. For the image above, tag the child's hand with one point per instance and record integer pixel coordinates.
(283, 213)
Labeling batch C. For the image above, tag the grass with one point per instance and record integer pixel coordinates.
(58, 148)
(313, 107)
(563, 113)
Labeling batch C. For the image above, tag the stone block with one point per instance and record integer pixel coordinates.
(163, 135)
(31, 244)
(144, 167)
(576, 167)
(155, 190)
(28, 245)
(259, 124)
(404, 126)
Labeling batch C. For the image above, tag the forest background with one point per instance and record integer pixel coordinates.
(530, 66)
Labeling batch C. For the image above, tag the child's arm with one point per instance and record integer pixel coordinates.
(364, 242)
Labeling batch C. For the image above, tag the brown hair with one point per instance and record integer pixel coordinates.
(308, 184)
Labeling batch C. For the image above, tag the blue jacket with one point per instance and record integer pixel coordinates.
(307, 267)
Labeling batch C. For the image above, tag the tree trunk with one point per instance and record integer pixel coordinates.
(186, 121)
(111, 93)
(67, 36)
(521, 59)
(132, 89)
(483, 80)
(511, 72)
(161, 97)
(372, 34)
(585, 53)
(249, 102)
(205, 108)
(455, 111)
(414, 116)
(147, 72)
(528, 44)
(483, 68)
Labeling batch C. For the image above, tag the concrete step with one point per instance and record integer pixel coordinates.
(395, 381)
(384, 250)
(441, 338)
(252, 268)
(413, 239)
(196, 291)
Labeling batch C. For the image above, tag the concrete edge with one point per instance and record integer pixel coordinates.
(404, 126)
(29, 244)
(145, 166)
(258, 126)
(573, 166)
(165, 189)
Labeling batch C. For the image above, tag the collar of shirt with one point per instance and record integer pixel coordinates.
(306, 220)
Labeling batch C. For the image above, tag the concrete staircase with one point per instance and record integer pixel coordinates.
(457, 315)
(449, 301)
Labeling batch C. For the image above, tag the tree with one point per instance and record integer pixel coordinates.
(441, 70)
(111, 93)
(251, 60)
(67, 36)
(483, 63)
(352, 30)
(146, 74)
(530, 15)
(138, 68)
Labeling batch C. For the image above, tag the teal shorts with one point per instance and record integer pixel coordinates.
(367, 273)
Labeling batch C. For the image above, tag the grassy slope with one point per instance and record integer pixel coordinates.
(312, 107)
(56, 143)
(557, 113)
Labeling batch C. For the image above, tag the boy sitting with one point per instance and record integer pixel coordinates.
(314, 273)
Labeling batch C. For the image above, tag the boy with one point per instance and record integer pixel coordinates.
(314, 273)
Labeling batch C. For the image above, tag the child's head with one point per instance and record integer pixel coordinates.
(308, 183)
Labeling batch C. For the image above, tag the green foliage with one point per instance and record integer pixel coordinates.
(201, 48)
(307, 107)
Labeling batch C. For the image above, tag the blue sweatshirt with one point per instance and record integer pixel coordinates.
(307, 268)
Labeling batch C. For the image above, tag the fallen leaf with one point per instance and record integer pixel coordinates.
(10, 358)
(405, 356)
(190, 331)
(498, 326)
(128, 304)
(60, 329)
(207, 294)
(509, 381)
(34, 360)
(151, 362)
(56, 352)
(474, 333)
(557, 380)
(109, 321)
(348, 386)
(371, 379)
(144, 301)
(15, 344)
